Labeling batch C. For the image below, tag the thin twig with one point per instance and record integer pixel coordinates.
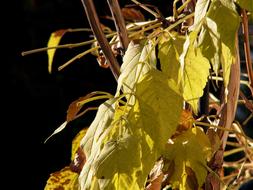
(79, 56)
(146, 8)
(69, 46)
(79, 30)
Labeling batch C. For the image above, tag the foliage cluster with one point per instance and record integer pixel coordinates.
(152, 134)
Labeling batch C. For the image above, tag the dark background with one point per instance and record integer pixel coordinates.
(35, 102)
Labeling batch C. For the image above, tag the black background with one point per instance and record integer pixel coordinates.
(35, 102)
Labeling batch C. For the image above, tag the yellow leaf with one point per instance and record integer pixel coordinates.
(170, 48)
(64, 179)
(91, 143)
(135, 138)
(53, 41)
(189, 153)
(156, 91)
(138, 60)
(200, 10)
(195, 71)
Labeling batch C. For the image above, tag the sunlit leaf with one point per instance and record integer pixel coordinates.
(170, 48)
(91, 143)
(125, 159)
(138, 60)
(64, 179)
(53, 41)
(200, 10)
(195, 71)
(189, 152)
(101, 122)
(118, 165)
(227, 29)
(136, 137)
(156, 91)
(246, 4)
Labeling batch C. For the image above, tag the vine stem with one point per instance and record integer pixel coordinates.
(97, 30)
(245, 30)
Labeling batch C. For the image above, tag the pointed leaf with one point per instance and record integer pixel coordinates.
(195, 71)
(64, 180)
(189, 152)
(53, 41)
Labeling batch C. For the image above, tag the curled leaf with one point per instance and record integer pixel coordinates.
(195, 71)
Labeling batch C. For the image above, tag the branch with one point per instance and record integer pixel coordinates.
(227, 118)
(245, 30)
(97, 30)
(119, 23)
(229, 109)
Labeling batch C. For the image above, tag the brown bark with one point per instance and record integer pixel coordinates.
(97, 30)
